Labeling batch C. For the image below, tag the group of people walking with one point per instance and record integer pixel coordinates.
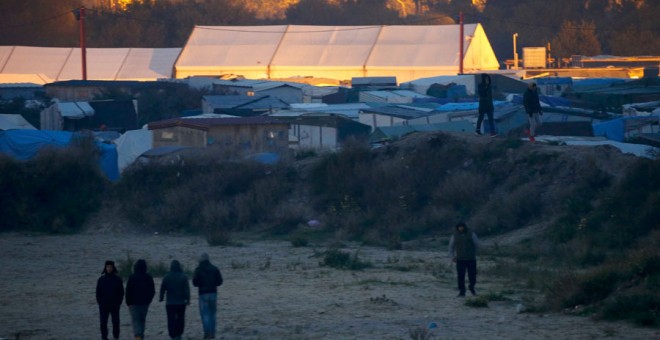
(531, 103)
(174, 290)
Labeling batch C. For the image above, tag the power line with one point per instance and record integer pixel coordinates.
(32, 23)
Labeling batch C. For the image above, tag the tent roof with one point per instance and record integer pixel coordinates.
(58, 63)
(14, 121)
(405, 52)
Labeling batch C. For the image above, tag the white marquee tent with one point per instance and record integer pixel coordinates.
(65, 63)
(337, 52)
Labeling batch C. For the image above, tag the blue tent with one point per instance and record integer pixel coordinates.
(25, 144)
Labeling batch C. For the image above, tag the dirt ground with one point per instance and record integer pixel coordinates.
(272, 291)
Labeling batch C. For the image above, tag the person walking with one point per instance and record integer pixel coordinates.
(175, 286)
(463, 246)
(485, 104)
(208, 278)
(109, 296)
(533, 109)
(140, 291)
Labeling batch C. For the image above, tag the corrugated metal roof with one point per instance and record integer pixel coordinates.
(396, 112)
(206, 123)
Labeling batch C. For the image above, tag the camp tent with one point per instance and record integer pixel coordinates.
(64, 63)
(26, 144)
(338, 52)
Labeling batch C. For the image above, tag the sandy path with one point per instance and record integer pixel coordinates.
(271, 291)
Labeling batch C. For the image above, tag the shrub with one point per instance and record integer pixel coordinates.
(54, 192)
(125, 267)
(479, 301)
(336, 258)
(643, 308)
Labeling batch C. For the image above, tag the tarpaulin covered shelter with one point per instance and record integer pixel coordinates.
(26, 144)
(621, 128)
(337, 52)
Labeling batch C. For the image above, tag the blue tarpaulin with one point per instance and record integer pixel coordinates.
(616, 129)
(26, 144)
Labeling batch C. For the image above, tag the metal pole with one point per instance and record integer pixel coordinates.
(83, 50)
(460, 43)
(515, 52)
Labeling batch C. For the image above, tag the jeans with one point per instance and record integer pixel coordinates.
(534, 123)
(471, 267)
(104, 313)
(138, 318)
(491, 124)
(176, 320)
(207, 310)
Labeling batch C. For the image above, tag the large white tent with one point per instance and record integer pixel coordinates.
(65, 63)
(338, 52)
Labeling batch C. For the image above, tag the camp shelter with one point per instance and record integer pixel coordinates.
(26, 144)
(14, 121)
(245, 134)
(389, 133)
(238, 105)
(336, 52)
(622, 128)
(323, 131)
(65, 63)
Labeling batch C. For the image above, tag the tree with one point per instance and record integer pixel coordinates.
(38, 23)
(576, 38)
(635, 40)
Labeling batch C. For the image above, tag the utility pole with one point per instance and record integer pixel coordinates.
(80, 16)
(515, 52)
(460, 43)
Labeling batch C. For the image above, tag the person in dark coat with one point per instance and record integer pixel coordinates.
(485, 104)
(175, 286)
(533, 108)
(463, 246)
(140, 291)
(109, 296)
(208, 278)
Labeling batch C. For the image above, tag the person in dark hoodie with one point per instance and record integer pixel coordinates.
(532, 106)
(109, 296)
(140, 291)
(486, 107)
(463, 246)
(175, 285)
(208, 278)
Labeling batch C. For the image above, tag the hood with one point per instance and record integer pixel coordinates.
(175, 266)
(112, 263)
(140, 266)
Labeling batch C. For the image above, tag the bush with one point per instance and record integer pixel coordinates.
(336, 258)
(54, 192)
(643, 308)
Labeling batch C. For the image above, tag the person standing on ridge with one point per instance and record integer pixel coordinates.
(208, 278)
(486, 107)
(109, 296)
(533, 108)
(463, 246)
(140, 291)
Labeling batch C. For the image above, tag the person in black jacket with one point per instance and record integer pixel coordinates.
(175, 285)
(533, 108)
(140, 292)
(207, 277)
(109, 296)
(485, 105)
(463, 246)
